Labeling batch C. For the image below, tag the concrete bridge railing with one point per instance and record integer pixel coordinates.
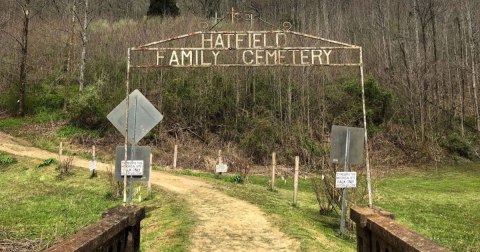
(118, 230)
(378, 232)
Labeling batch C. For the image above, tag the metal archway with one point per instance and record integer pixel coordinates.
(276, 48)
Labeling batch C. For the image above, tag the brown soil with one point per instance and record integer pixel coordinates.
(225, 223)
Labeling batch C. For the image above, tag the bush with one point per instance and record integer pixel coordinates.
(459, 145)
(45, 97)
(88, 110)
(378, 104)
(261, 138)
(237, 179)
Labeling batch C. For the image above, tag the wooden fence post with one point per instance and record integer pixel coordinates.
(295, 180)
(175, 154)
(93, 164)
(274, 164)
(220, 160)
(60, 152)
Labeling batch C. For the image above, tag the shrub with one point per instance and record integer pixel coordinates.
(88, 110)
(260, 139)
(459, 145)
(45, 97)
(237, 179)
(378, 104)
(47, 162)
(65, 167)
(7, 159)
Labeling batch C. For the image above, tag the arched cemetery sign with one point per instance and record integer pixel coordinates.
(244, 48)
(278, 48)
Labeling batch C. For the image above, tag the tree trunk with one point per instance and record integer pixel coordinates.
(472, 57)
(23, 59)
(84, 48)
(70, 55)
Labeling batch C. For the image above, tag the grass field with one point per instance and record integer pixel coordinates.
(38, 209)
(443, 205)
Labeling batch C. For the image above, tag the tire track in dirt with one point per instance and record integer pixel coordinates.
(225, 223)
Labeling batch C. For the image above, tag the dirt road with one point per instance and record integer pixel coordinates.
(225, 223)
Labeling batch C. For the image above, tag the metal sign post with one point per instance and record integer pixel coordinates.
(347, 148)
(145, 117)
(344, 190)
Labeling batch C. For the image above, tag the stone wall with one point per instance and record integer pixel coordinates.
(377, 231)
(118, 230)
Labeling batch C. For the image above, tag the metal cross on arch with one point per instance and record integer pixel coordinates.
(274, 48)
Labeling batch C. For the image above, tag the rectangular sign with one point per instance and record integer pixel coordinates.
(221, 168)
(354, 152)
(138, 163)
(134, 168)
(346, 180)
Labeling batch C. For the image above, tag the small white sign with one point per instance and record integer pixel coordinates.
(134, 168)
(221, 168)
(346, 180)
(93, 165)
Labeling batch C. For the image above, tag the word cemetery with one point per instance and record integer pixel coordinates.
(251, 48)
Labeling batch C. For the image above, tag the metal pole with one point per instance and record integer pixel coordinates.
(367, 159)
(149, 183)
(133, 148)
(344, 190)
(126, 130)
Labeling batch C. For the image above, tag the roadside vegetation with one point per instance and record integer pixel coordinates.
(421, 102)
(39, 206)
(441, 204)
(437, 203)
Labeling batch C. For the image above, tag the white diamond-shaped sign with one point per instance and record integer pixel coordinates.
(142, 116)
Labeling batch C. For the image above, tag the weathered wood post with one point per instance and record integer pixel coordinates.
(93, 164)
(295, 180)
(175, 153)
(274, 164)
(60, 152)
(220, 160)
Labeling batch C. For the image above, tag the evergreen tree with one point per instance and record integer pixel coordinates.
(163, 8)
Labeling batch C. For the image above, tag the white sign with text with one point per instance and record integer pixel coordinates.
(134, 168)
(346, 180)
(221, 168)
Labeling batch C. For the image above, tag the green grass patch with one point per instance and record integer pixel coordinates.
(71, 131)
(441, 205)
(168, 223)
(36, 206)
(6, 159)
(47, 116)
(11, 123)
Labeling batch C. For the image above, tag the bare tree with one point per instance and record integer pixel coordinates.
(27, 10)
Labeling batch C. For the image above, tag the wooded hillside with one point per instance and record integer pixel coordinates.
(420, 56)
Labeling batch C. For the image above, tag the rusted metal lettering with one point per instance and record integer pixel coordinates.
(244, 48)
